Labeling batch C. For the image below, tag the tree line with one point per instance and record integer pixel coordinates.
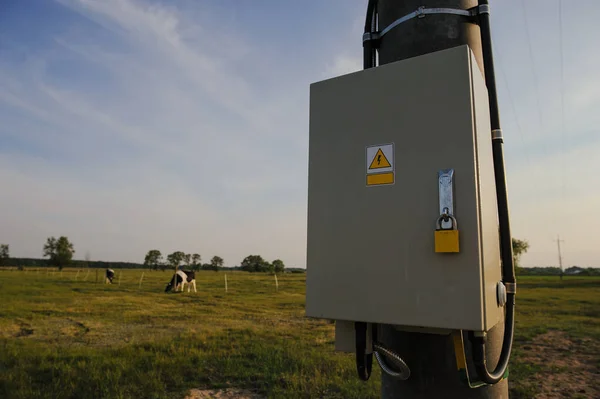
(59, 253)
(251, 263)
(556, 271)
(154, 260)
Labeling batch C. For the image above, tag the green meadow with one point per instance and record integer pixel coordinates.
(64, 335)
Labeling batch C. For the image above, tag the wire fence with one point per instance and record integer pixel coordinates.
(151, 280)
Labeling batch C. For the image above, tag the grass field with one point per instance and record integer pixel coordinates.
(63, 337)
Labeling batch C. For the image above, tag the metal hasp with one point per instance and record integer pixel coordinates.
(370, 248)
(446, 194)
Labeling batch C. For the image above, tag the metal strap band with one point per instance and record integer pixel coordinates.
(497, 134)
(511, 288)
(421, 12)
(370, 36)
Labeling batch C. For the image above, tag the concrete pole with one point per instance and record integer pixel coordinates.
(425, 35)
(431, 357)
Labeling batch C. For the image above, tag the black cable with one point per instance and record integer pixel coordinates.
(364, 360)
(479, 356)
(508, 272)
(374, 29)
(369, 45)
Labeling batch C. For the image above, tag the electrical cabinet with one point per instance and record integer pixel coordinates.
(379, 139)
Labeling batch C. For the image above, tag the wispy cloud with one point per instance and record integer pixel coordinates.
(169, 146)
(344, 64)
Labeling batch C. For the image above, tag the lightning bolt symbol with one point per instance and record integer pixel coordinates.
(378, 159)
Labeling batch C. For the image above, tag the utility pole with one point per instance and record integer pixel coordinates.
(558, 241)
(431, 357)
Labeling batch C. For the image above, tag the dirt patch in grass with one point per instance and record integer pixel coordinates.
(24, 332)
(24, 329)
(221, 394)
(571, 367)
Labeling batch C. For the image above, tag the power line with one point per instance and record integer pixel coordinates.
(562, 96)
(533, 69)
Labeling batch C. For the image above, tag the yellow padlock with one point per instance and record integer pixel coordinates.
(446, 240)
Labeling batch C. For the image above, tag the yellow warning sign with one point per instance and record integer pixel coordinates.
(380, 161)
(380, 168)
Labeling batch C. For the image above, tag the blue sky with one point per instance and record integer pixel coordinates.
(129, 125)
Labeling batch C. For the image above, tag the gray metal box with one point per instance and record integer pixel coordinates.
(370, 249)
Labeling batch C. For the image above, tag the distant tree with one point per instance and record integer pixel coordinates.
(574, 270)
(153, 259)
(175, 259)
(592, 271)
(216, 262)
(278, 266)
(254, 263)
(59, 251)
(196, 258)
(187, 258)
(4, 254)
(519, 248)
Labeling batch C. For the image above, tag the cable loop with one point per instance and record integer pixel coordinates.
(380, 352)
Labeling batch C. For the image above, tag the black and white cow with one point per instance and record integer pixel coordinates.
(180, 279)
(110, 274)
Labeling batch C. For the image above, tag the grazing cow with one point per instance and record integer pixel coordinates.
(110, 274)
(180, 279)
